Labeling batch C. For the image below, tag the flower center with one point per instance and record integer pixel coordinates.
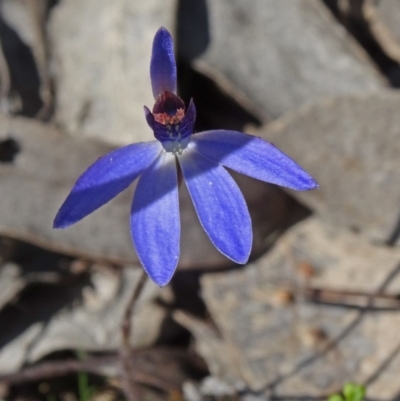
(169, 111)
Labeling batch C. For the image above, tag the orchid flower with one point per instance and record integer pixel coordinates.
(199, 158)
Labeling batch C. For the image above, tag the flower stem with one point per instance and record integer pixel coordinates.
(127, 353)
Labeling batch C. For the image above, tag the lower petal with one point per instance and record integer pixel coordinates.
(220, 206)
(155, 225)
(105, 179)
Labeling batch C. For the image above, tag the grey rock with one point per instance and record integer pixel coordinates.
(283, 54)
(219, 354)
(351, 145)
(11, 283)
(389, 11)
(13, 355)
(191, 392)
(24, 37)
(36, 181)
(101, 56)
(91, 323)
(214, 387)
(308, 348)
(252, 397)
(383, 17)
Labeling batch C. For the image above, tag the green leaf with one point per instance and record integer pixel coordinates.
(354, 392)
(335, 397)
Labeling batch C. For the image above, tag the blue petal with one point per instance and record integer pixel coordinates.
(104, 179)
(219, 205)
(155, 225)
(149, 117)
(162, 65)
(254, 157)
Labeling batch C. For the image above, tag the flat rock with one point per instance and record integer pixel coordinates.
(81, 315)
(24, 43)
(308, 345)
(351, 145)
(43, 165)
(282, 54)
(384, 19)
(11, 283)
(102, 69)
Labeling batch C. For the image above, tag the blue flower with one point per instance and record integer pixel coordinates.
(200, 159)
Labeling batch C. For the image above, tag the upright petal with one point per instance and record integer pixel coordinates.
(162, 65)
(219, 204)
(155, 225)
(254, 157)
(104, 179)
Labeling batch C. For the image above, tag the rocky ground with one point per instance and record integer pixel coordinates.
(318, 304)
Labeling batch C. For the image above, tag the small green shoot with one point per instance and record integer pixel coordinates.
(350, 392)
(85, 391)
(335, 397)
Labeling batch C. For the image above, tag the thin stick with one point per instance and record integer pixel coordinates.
(349, 297)
(126, 327)
(104, 366)
(127, 353)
